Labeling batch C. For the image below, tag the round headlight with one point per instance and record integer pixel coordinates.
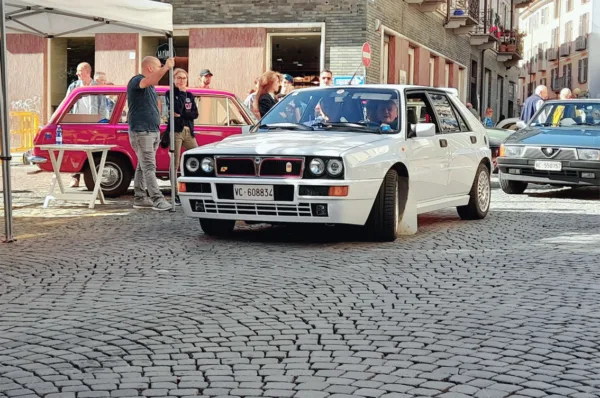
(317, 166)
(335, 167)
(192, 164)
(208, 165)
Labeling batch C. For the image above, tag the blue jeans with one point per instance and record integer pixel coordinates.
(145, 145)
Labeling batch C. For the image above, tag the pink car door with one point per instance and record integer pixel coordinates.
(87, 126)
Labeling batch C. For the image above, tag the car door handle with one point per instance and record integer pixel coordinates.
(443, 143)
(473, 139)
(123, 131)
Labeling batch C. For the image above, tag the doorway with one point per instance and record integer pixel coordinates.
(65, 55)
(297, 54)
(473, 86)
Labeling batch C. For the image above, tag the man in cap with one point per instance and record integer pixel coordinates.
(205, 77)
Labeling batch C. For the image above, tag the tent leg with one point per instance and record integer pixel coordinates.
(173, 166)
(5, 134)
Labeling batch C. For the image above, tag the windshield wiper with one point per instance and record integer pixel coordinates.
(285, 126)
(360, 126)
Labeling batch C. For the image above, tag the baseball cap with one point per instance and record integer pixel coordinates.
(205, 72)
(289, 78)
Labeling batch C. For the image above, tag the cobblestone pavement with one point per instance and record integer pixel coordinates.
(116, 302)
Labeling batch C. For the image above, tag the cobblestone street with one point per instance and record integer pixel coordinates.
(117, 302)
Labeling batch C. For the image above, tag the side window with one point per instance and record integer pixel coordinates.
(448, 121)
(91, 108)
(212, 111)
(419, 110)
(236, 118)
(163, 110)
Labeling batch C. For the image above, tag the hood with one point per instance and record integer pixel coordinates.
(289, 143)
(580, 136)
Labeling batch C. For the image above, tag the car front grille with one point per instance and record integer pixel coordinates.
(254, 209)
(268, 167)
(532, 152)
(544, 173)
(235, 167)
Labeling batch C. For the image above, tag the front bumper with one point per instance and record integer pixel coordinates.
(572, 172)
(212, 199)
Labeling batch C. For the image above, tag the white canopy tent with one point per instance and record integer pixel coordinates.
(64, 18)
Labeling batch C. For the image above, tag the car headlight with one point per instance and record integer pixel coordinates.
(588, 154)
(335, 167)
(192, 164)
(513, 151)
(317, 166)
(208, 165)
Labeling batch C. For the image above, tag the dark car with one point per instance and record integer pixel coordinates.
(559, 146)
(496, 137)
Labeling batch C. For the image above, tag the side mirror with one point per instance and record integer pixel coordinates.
(246, 129)
(424, 130)
(521, 125)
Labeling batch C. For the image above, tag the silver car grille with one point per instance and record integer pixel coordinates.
(252, 208)
(532, 152)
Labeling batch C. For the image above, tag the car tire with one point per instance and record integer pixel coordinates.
(220, 228)
(386, 213)
(512, 187)
(119, 177)
(479, 197)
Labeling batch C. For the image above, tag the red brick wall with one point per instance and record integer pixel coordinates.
(27, 74)
(236, 56)
(112, 56)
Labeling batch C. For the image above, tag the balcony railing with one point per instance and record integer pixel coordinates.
(551, 54)
(565, 49)
(581, 43)
(468, 8)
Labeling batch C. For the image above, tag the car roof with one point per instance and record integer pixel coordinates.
(400, 87)
(559, 101)
(161, 89)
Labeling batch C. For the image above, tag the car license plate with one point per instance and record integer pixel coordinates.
(253, 192)
(546, 165)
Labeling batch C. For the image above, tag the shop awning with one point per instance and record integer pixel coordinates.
(63, 18)
(56, 18)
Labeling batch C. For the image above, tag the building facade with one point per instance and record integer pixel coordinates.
(560, 35)
(427, 42)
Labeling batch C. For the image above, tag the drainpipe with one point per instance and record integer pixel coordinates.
(482, 74)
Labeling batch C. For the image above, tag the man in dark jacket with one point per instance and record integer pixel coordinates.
(534, 102)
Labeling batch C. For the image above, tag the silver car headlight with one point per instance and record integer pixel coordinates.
(317, 166)
(513, 151)
(192, 164)
(208, 165)
(588, 154)
(335, 167)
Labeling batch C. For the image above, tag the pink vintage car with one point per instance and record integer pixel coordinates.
(221, 114)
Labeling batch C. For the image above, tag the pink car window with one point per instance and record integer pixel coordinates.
(90, 108)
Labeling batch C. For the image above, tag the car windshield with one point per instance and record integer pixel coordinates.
(568, 114)
(360, 109)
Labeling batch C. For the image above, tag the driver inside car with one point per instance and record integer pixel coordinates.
(387, 113)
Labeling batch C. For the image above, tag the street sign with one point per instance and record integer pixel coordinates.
(345, 80)
(366, 55)
(163, 53)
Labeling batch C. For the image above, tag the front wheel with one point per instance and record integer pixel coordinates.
(388, 208)
(479, 196)
(221, 228)
(512, 187)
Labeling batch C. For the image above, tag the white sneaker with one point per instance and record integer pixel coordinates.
(144, 203)
(163, 205)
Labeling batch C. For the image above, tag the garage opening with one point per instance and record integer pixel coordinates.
(65, 55)
(297, 54)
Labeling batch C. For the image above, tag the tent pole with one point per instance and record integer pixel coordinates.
(173, 166)
(4, 114)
